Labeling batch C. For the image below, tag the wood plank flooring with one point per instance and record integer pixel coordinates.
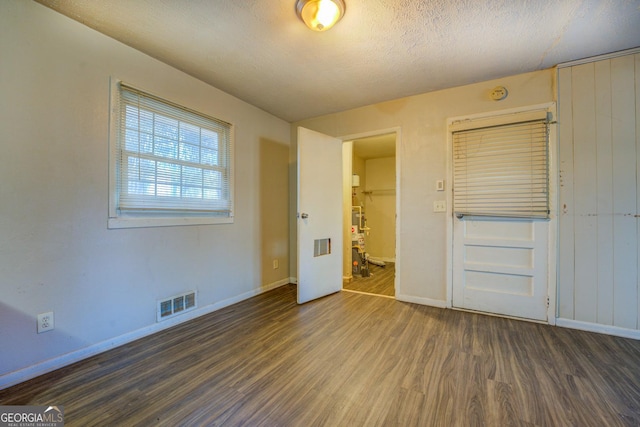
(380, 282)
(349, 360)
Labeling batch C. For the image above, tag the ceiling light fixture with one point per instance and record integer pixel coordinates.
(320, 15)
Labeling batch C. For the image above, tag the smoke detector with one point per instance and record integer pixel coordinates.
(499, 93)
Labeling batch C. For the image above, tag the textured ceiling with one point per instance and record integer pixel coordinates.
(260, 52)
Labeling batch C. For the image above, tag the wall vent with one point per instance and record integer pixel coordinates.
(321, 247)
(175, 305)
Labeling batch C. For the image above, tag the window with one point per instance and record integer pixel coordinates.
(502, 169)
(171, 165)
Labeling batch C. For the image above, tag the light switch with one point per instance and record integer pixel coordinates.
(440, 185)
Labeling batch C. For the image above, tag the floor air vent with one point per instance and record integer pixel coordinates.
(176, 305)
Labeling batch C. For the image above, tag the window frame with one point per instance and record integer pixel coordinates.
(118, 218)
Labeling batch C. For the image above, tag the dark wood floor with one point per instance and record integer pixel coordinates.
(349, 360)
(380, 282)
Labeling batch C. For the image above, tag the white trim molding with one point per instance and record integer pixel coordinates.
(600, 57)
(21, 375)
(422, 301)
(598, 328)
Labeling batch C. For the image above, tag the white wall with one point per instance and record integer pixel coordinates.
(360, 169)
(599, 119)
(422, 120)
(56, 252)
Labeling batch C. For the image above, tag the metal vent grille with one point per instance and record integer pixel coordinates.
(175, 305)
(321, 247)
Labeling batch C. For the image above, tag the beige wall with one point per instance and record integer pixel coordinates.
(360, 169)
(380, 208)
(56, 252)
(422, 121)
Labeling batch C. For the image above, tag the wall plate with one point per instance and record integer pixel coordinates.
(499, 93)
(440, 206)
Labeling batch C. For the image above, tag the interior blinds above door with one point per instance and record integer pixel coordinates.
(502, 170)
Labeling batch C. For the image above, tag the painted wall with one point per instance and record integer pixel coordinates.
(380, 208)
(422, 120)
(360, 169)
(599, 125)
(56, 252)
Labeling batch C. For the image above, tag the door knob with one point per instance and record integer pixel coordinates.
(304, 216)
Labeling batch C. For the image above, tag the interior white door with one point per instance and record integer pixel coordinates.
(319, 215)
(500, 266)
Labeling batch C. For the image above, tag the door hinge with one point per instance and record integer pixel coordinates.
(548, 302)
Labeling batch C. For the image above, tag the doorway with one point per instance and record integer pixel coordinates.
(370, 177)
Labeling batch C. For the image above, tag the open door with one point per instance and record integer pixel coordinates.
(319, 215)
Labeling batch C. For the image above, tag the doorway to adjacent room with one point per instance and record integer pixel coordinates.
(370, 214)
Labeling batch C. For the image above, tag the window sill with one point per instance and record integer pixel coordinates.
(125, 222)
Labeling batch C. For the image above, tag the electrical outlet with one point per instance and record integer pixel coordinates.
(440, 206)
(276, 264)
(45, 322)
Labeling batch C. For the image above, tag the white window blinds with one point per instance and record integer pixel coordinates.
(171, 159)
(502, 170)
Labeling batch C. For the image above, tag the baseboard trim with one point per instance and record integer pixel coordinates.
(293, 280)
(25, 374)
(368, 293)
(598, 328)
(423, 301)
(272, 286)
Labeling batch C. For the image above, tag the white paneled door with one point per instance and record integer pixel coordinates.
(319, 215)
(500, 266)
